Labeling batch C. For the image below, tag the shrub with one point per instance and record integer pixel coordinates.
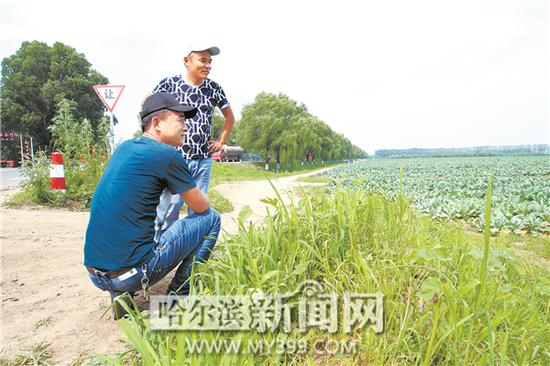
(85, 156)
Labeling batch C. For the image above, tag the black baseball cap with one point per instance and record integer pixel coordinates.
(158, 101)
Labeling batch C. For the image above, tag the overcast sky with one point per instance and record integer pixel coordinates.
(386, 74)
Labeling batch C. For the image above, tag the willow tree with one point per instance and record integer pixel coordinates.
(279, 127)
(268, 126)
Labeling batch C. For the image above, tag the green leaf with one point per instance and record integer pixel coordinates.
(506, 288)
(245, 213)
(300, 268)
(422, 255)
(269, 275)
(270, 201)
(429, 287)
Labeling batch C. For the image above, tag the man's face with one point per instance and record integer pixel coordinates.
(199, 64)
(172, 128)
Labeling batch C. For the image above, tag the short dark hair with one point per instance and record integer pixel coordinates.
(146, 121)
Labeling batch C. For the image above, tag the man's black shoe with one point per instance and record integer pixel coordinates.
(116, 298)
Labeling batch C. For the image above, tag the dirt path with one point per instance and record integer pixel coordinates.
(46, 295)
(249, 193)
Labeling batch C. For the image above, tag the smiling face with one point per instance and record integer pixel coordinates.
(171, 128)
(198, 65)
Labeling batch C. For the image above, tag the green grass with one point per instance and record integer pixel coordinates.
(230, 172)
(314, 179)
(449, 299)
(219, 202)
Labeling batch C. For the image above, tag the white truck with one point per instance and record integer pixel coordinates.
(228, 153)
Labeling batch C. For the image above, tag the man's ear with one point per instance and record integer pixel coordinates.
(186, 60)
(155, 121)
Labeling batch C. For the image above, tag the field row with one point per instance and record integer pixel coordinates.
(455, 188)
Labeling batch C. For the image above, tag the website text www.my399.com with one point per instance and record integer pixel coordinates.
(271, 346)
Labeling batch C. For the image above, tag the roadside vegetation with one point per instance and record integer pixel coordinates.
(85, 155)
(450, 297)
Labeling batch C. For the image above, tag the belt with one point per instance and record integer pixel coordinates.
(120, 272)
(108, 274)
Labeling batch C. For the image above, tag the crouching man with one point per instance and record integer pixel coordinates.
(121, 251)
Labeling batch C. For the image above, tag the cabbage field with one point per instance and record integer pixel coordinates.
(455, 188)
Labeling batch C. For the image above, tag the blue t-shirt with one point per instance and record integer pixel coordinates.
(122, 215)
(206, 97)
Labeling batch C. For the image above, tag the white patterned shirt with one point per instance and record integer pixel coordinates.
(206, 97)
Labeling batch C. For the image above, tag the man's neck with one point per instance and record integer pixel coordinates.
(150, 136)
(193, 80)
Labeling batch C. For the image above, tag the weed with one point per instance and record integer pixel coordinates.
(447, 300)
(43, 323)
(36, 356)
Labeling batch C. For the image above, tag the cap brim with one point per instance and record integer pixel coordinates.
(213, 51)
(188, 111)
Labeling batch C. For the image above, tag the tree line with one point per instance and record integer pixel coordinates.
(541, 149)
(38, 77)
(35, 80)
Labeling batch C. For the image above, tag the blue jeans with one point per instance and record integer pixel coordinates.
(200, 170)
(183, 243)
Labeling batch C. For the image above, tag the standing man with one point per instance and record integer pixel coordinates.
(122, 252)
(194, 88)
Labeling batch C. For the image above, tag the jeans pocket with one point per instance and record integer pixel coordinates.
(128, 282)
(100, 283)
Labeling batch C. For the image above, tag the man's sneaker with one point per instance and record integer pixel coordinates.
(177, 293)
(118, 309)
(183, 291)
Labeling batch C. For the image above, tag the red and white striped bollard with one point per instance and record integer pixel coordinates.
(57, 174)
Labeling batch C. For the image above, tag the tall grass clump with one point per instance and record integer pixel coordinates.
(85, 155)
(446, 301)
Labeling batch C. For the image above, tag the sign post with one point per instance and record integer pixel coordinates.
(21, 146)
(109, 95)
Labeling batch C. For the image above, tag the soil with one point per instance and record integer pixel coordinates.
(46, 294)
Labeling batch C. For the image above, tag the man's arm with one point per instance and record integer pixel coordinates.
(195, 200)
(226, 129)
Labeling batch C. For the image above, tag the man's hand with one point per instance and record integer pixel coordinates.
(225, 132)
(214, 145)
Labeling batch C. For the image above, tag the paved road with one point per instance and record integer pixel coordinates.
(11, 177)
